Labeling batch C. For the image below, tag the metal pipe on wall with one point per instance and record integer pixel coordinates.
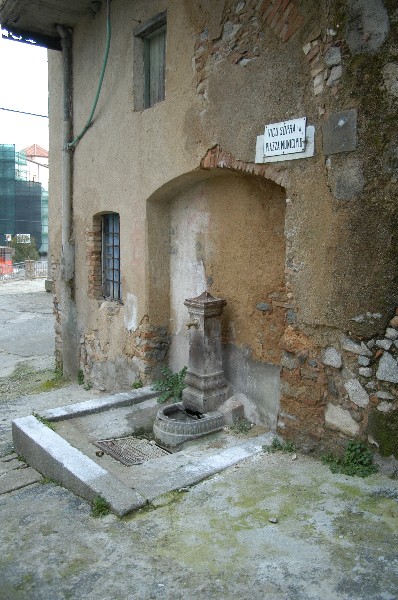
(70, 346)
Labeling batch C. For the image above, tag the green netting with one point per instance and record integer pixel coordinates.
(23, 203)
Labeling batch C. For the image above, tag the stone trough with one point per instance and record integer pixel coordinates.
(69, 455)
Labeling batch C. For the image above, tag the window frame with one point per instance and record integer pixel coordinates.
(146, 32)
(110, 241)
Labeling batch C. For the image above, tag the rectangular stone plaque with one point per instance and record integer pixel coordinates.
(287, 137)
(340, 132)
(309, 149)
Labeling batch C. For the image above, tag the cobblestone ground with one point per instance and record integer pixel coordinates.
(274, 527)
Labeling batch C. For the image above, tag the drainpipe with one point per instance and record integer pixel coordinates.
(70, 359)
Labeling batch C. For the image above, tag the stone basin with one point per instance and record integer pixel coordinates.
(174, 424)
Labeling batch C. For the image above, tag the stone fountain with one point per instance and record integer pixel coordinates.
(206, 388)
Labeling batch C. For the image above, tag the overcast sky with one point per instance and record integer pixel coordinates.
(23, 86)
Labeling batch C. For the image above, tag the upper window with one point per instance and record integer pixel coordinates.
(111, 283)
(153, 38)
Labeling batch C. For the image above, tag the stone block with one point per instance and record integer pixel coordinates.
(332, 358)
(355, 348)
(289, 361)
(363, 361)
(391, 333)
(367, 25)
(54, 457)
(263, 306)
(339, 419)
(357, 393)
(340, 132)
(384, 344)
(388, 368)
(335, 75)
(332, 56)
(385, 407)
(17, 479)
(384, 395)
(390, 76)
(232, 410)
(365, 371)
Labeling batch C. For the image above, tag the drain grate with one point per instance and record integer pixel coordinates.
(131, 450)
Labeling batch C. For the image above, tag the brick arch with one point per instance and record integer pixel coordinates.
(217, 158)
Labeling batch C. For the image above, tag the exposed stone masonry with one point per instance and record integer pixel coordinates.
(323, 53)
(350, 389)
(244, 34)
(148, 347)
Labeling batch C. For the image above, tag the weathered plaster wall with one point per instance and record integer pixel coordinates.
(232, 67)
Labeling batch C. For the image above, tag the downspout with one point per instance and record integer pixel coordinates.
(70, 348)
(67, 262)
(69, 330)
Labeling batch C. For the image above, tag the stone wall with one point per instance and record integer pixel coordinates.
(349, 388)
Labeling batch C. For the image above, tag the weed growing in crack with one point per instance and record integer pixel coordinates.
(357, 460)
(241, 425)
(278, 446)
(44, 421)
(171, 386)
(100, 507)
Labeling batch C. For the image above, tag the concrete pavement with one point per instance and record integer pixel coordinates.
(26, 326)
(273, 526)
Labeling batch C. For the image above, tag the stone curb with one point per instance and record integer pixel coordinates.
(194, 472)
(55, 458)
(97, 405)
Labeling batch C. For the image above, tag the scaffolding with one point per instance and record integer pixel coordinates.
(23, 203)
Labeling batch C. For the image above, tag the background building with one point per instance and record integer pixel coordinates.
(24, 194)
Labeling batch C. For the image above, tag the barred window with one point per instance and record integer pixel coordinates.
(111, 281)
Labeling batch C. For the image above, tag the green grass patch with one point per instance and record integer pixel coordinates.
(57, 381)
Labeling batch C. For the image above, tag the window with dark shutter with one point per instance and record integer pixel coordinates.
(153, 36)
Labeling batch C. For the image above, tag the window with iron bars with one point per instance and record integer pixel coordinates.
(111, 280)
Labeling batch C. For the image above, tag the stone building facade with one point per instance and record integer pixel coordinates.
(302, 250)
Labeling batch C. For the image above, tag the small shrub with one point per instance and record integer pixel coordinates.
(357, 461)
(137, 384)
(100, 507)
(80, 377)
(278, 446)
(241, 426)
(171, 386)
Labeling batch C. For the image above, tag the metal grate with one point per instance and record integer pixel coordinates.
(131, 450)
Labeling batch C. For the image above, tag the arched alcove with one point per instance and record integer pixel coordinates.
(223, 231)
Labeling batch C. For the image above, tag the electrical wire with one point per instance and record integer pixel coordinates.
(22, 112)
